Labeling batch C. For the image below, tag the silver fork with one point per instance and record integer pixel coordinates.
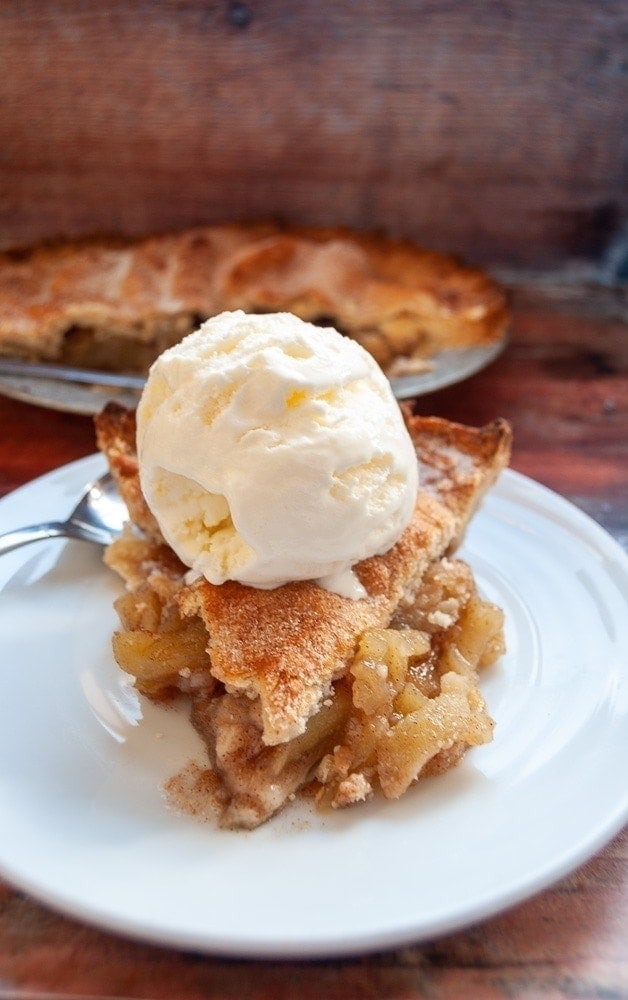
(98, 517)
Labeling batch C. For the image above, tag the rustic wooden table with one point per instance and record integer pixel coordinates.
(563, 383)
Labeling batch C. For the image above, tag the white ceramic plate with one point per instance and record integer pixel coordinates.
(85, 828)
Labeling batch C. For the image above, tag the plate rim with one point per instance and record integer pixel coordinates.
(69, 397)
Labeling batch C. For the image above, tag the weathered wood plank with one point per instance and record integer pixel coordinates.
(491, 129)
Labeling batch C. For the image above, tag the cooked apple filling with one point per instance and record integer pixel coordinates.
(409, 705)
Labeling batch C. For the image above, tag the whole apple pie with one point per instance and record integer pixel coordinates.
(117, 304)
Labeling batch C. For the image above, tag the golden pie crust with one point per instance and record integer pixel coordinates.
(116, 304)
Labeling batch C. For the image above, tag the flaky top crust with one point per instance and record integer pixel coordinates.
(394, 297)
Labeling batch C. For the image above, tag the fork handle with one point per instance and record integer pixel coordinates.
(35, 533)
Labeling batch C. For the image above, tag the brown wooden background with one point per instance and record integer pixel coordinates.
(490, 128)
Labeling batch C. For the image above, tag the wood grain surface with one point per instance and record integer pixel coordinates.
(563, 383)
(488, 128)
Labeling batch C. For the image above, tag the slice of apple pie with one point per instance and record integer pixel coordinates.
(299, 688)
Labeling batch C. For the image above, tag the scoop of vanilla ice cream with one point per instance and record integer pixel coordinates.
(272, 450)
